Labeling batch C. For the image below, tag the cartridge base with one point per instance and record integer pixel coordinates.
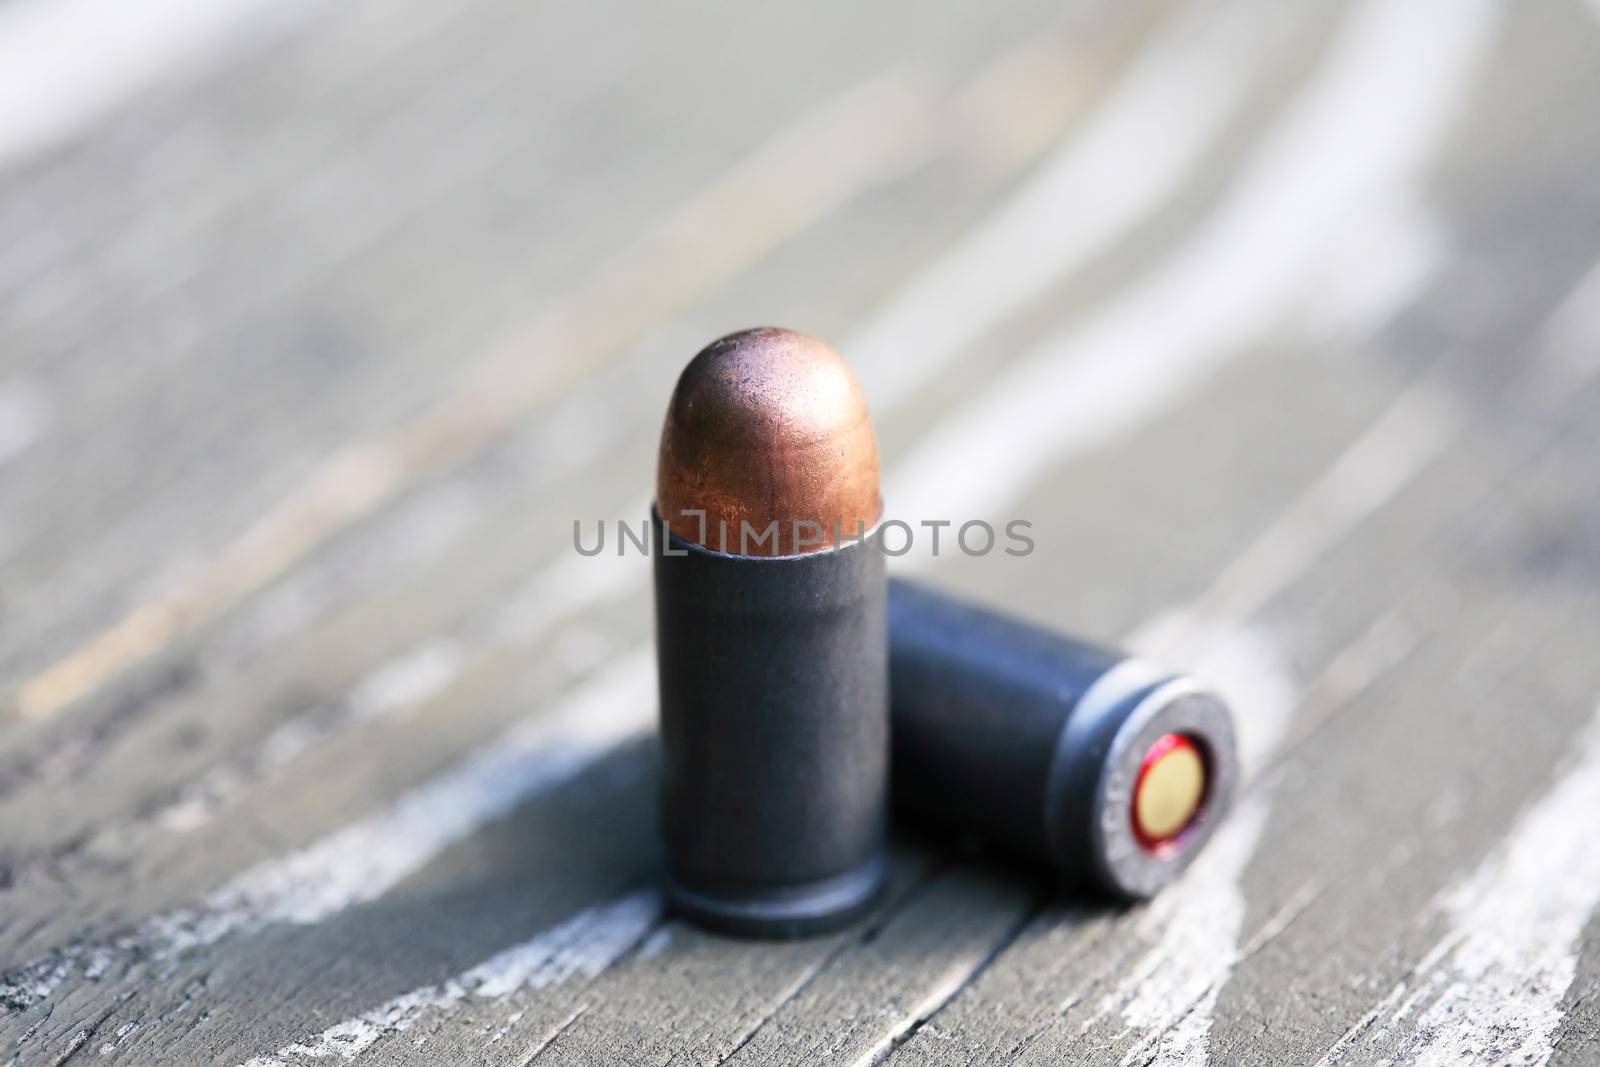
(789, 911)
(1096, 770)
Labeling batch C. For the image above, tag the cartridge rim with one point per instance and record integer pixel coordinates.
(1101, 755)
(783, 911)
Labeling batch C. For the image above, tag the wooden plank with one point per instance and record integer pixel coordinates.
(583, 1032)
(1308, 910)
(1056, 996)
(377, 328)
(1577, 1040)
(319, 668)
(491, 481)
(339, 812)
(171, 884)
(866, 1005)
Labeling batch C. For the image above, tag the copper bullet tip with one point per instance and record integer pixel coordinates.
(768, 434)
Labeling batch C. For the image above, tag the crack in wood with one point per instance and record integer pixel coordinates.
(869, 933)
(555, 1035)
(941, 998)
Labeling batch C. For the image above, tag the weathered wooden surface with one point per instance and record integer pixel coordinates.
(319, 740)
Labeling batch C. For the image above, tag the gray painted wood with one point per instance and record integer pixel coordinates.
(171, 878)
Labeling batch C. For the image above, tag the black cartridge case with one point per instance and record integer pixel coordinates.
(1040, 743)
(774, 724)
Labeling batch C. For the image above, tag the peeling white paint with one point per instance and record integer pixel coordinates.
(1195, 928)
(364, 860)
(125, 1031)
(1492, 987)
(586, 947)
(367, 858)
(581, 947)
(1171, 993)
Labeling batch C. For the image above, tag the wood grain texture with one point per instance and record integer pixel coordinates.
(1300, 397)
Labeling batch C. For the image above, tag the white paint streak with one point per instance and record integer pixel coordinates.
(407, 680)
(64, 64)
(125, 1031)
(587, 947)
(583, 946)
(656, 944)
(364, 860)
(1392, 85)
(1494, 983)
(26, 415)
(1129, 159)
(1195, 928)
(1171, 992)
